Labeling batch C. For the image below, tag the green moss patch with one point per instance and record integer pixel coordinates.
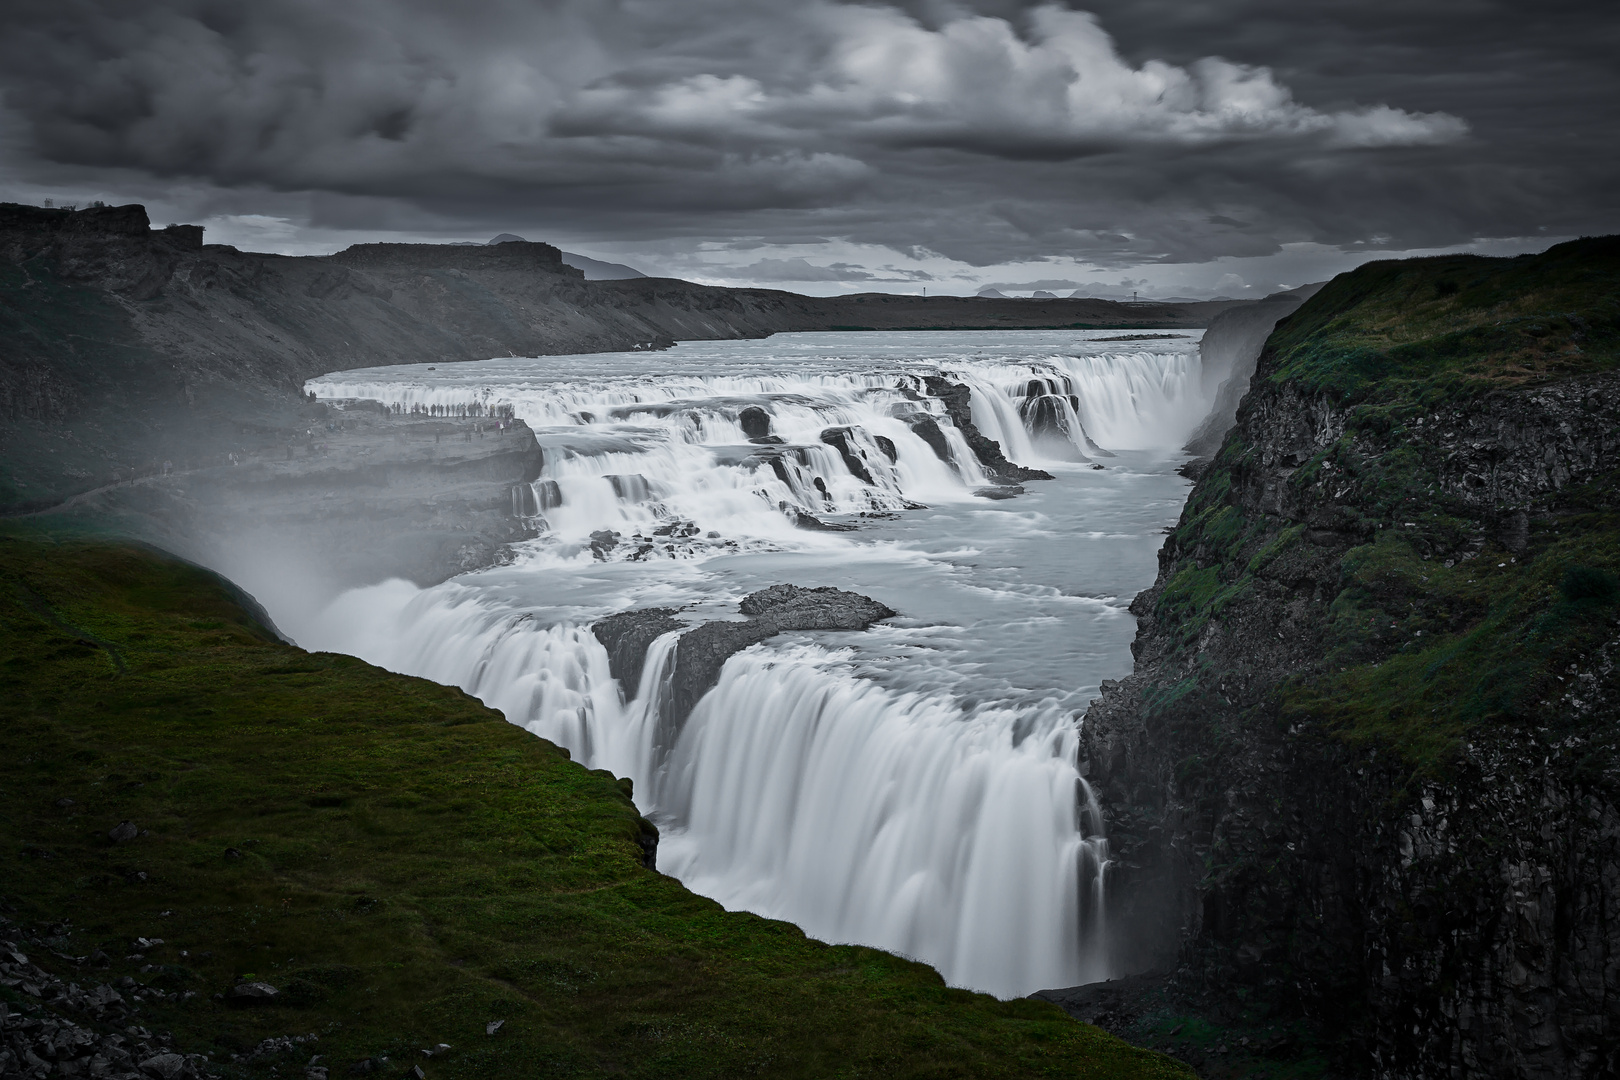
(1421, 652)
(1455, 325)
(406, 867)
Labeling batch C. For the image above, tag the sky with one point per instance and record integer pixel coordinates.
(1163, 147)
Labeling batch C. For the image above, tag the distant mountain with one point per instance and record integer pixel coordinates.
(597, 270)
(992, 294)
(593, 269)
(1042, 294)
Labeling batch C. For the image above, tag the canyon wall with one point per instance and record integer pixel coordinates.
(1365, 771)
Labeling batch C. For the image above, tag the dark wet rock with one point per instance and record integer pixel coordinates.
(755, 422)
(631, 487)
(1047, 419)
(703, 651)
(886, 444)
(123, 832)
(840, 439)
(926, 428)
(547, 495)
(1003, 491)
(167, 1067)
(252, 993)
(647, 841)
(803, 520)
(791, 607)
(769, 440)
(627, 636)
(603, 541)
(958, 401)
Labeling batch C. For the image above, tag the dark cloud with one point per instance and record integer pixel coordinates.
(1126, 133)
(802, 270)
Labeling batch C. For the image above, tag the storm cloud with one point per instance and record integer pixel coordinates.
(1118, 136)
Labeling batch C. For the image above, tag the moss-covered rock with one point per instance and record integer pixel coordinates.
(1366, 766)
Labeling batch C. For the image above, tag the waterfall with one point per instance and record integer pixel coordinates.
(913, 787)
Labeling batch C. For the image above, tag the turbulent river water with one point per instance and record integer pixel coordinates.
(914, 786)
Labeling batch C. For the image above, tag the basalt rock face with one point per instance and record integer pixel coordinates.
(958, 401)
(627, 636)
(1366, 770)
(703, 650)
(1227, 354)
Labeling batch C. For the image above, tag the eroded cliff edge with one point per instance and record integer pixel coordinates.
(1365, 771)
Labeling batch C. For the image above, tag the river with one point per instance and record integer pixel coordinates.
(914, 786)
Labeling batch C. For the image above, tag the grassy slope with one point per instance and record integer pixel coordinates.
(1418, 330)
(1421, 652)
(412, 866)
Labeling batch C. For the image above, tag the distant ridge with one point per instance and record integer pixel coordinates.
(597, 270)
(593, 269)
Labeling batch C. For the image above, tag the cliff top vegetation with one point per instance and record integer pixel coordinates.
(1456, 323)
(1427, 454)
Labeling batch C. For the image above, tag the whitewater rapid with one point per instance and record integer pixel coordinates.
(913, 787)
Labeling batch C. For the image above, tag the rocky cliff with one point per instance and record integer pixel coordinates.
(1227, 354)
(1365, 773)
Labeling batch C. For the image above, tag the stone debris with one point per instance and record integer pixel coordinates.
(284, 1044)
(493, 1026)
(123, 832)
(101, 1042)
(251, 993)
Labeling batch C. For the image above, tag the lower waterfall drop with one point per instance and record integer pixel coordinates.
(912, 787)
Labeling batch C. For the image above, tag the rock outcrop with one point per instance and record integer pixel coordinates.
(627, 636)
(958, 401)
(1227, 354)
(1366, 771)
(703, 650)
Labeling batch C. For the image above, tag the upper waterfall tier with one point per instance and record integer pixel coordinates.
(706, 449)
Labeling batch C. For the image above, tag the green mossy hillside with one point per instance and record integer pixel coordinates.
(1437, 603)
(405, 866)
(1433, 328)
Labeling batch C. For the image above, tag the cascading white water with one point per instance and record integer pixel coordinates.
(912, 787)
